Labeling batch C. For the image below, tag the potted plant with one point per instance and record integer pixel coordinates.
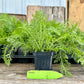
(34, 38)
(70, 43)
(42, 37)
(7, 26)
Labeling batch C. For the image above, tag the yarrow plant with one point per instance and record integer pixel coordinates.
(42, 35)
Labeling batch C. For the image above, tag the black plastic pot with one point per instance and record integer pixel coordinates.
(20, 52)
(43, 60)
(71, 59)
(24, 59)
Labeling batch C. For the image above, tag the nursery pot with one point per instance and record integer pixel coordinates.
(24, 59)
(21, 59)
(43, 60)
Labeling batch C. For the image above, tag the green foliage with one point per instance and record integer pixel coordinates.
(42, 35)
(7, 26)
(71, 43)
